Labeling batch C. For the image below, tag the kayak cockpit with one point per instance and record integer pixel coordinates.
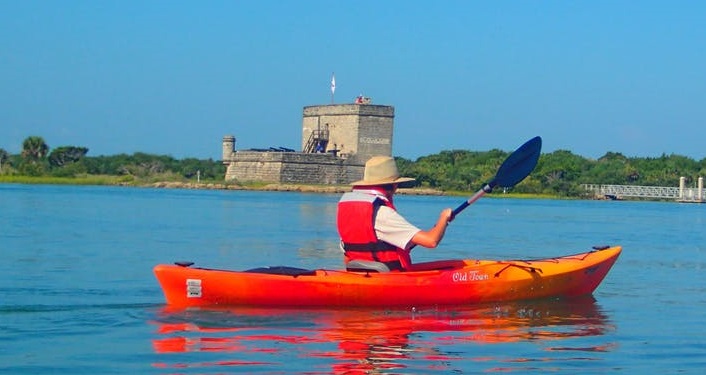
(283, 270)
(367, 266)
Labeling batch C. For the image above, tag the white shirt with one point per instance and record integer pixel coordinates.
(394, 229)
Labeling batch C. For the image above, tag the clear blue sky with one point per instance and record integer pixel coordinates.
(174, 77)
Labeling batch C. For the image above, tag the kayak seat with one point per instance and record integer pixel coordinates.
(366, 266)
(283, 270)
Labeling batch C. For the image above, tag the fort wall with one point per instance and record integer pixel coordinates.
(353, 133)
(355, 130)
(292, 167)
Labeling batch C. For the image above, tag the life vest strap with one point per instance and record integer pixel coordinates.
(367, 247)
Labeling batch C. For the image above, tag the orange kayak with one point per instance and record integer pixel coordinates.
(446, 282)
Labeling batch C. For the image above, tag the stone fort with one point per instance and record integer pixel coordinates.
(337, 140)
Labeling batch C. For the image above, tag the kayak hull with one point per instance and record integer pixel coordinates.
(448, 282)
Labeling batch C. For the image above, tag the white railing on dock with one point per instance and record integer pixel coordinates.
(681, 193)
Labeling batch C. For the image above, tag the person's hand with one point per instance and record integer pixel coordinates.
(445, 216)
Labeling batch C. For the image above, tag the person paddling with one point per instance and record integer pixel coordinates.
(370, 227)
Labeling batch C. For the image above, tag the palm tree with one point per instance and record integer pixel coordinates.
(34, 149)
(3, 158)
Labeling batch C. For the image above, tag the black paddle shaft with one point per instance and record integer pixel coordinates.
(514, 169)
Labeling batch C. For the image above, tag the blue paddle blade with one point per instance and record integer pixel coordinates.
(514, 169)
(519, 164)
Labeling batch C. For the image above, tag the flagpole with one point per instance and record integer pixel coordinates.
(333, 85)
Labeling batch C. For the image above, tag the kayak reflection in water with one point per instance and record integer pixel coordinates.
(366, 341)
(374, 236)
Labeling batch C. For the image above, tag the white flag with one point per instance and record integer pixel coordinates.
(333, 83)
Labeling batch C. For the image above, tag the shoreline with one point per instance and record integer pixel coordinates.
(301, 188)
(209, 185)
(330, 189)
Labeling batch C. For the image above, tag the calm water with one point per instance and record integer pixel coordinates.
(77, 293)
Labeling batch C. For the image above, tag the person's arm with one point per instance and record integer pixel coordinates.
(431, 238)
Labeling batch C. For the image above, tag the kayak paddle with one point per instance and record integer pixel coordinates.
(514, 169)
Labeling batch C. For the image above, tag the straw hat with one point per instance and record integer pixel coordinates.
(381, 170)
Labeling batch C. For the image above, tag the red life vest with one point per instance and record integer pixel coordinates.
(356, 226)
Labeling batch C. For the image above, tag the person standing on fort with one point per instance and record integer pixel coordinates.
(370, 227)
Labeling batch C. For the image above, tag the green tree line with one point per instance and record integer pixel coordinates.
(37, 160)
(560, 173)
